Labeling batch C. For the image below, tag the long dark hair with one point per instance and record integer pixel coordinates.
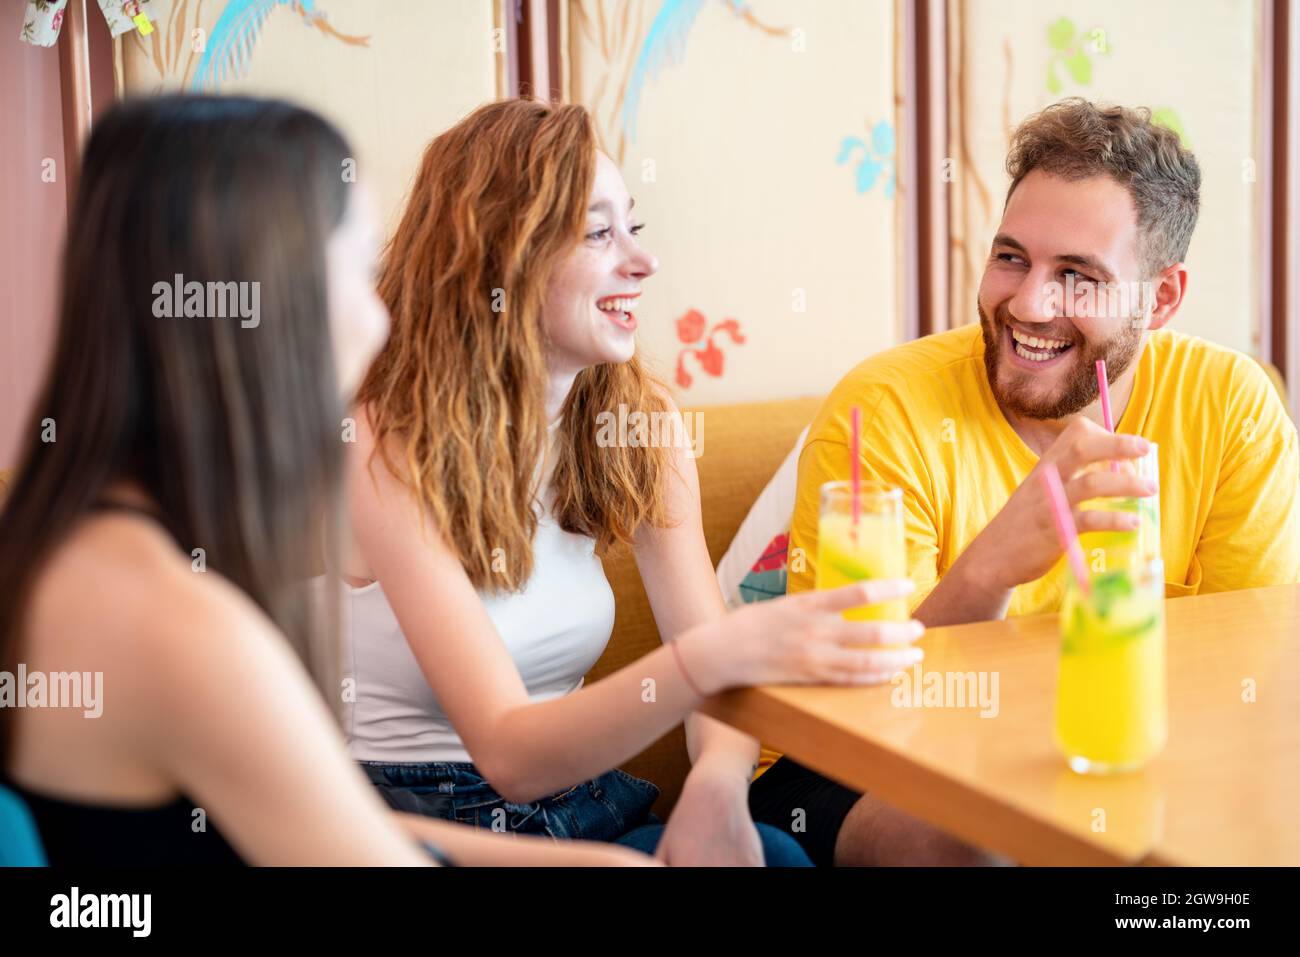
(231, 427)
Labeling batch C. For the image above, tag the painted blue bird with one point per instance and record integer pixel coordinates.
(230, 45)
(877, 157)
(665, 45)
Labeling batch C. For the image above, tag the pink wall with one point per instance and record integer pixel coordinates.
(32, 215)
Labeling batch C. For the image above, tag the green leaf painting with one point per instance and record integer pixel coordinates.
(1080, 68)
(1168, 117)
(1061, 35)
(1070, 49)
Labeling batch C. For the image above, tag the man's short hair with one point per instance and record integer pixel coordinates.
(1075, 139)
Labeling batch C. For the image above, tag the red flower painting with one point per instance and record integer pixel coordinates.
(691, 329)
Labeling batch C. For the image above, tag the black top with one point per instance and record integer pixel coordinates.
(103, 835)
(73, 833)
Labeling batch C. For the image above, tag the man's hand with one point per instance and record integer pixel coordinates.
(1021, 544)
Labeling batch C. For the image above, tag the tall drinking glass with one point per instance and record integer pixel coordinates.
(1115, 551)
(872, 547)
(1111, 710)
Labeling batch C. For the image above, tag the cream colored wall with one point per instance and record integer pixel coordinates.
(762, 236)
(734, 171)
(424, 65)
(1161, 55)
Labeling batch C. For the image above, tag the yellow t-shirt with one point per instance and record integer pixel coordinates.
(1229, 469)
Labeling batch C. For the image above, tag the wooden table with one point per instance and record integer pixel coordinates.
(1225, 790)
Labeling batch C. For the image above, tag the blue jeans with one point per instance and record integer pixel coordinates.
(779, 848)
(614, 807)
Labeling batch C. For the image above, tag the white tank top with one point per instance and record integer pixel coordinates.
(554, 629)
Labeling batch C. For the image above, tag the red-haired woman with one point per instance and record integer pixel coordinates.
(484, 494)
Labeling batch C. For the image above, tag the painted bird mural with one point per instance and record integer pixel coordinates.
(665, 45)
(230, 44)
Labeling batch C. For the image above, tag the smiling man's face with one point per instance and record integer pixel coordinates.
(1043, 310)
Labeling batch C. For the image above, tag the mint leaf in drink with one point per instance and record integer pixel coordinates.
(1136, 630)
(850, 569)
(1072, 637)
(1108, 588)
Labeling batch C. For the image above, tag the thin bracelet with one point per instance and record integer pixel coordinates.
(685, 674)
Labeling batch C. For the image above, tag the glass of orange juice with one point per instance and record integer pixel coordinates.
(866, 547)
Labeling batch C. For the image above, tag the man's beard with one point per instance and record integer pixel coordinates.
(1080, 388)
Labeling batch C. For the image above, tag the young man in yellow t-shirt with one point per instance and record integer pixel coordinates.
(1087, 264)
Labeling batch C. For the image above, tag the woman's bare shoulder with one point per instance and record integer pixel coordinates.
(118, 588)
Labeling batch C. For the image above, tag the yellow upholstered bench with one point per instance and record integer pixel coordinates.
(743, 447)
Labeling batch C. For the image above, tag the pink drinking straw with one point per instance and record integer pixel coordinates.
(855, 452)
(1103, 386)
(1064, 521)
